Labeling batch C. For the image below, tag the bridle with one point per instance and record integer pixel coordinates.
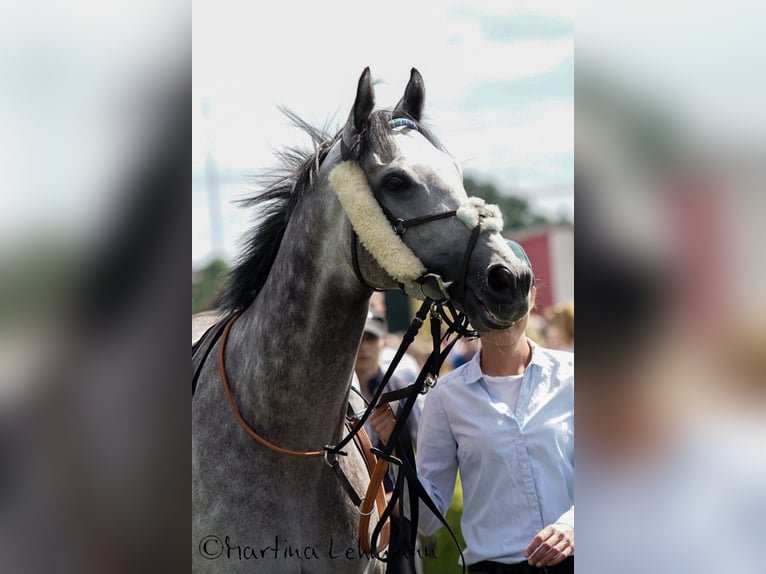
(477, 215)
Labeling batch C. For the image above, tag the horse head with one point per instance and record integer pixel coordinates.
(414, 226)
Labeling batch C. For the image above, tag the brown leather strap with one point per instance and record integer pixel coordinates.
(375, 492)
(365, 443)
(227, 391)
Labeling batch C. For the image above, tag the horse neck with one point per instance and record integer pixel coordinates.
(294, 348)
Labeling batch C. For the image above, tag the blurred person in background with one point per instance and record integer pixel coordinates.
(536, 328)
(420, 350)
(509, 413)
(369, 370)
(559, 329)
(463, 352)
(408, 368)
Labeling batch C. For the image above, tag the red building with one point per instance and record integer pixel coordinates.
(551, 251)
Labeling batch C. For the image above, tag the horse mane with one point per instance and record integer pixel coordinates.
(281, 190)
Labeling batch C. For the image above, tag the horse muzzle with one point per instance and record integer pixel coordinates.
(500, 300)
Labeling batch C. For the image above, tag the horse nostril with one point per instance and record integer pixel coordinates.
(500, 278)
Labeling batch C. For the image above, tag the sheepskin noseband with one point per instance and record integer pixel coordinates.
(349, 183)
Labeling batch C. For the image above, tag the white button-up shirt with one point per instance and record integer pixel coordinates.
(516, 468)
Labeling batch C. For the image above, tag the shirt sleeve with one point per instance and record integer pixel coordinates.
(436, 459)
(567, 518)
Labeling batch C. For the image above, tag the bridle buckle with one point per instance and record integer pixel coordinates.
(429, 383)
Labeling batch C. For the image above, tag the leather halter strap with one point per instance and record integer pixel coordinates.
(401, 225)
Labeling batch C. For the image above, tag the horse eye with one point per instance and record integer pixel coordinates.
(395, 182)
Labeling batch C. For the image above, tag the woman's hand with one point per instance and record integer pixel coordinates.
(383, 421)
(551, 545)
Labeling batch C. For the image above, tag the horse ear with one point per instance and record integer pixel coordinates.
(364, 101)
(414, 96)
(360, 112)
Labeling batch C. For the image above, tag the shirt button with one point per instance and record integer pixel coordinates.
(531, 498)
(524, 465)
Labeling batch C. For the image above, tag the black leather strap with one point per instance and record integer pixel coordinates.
(206, 342)
(344, 482)
(401, 225)
(466, 260)
(355, 263)
(409, 336)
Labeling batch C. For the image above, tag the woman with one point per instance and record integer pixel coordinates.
(505, 420)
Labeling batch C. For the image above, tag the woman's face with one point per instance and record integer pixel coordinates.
(506, 337)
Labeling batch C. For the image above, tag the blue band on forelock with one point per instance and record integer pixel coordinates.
(403, 122)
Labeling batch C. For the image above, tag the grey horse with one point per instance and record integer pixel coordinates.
(302, 288)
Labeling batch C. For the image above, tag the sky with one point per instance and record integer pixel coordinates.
(498, 76)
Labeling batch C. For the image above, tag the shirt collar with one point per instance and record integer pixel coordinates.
(473, 372)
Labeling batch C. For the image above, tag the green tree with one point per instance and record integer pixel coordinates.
(516, 211)
(205, 290)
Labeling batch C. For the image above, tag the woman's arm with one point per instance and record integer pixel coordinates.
(436, 455)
